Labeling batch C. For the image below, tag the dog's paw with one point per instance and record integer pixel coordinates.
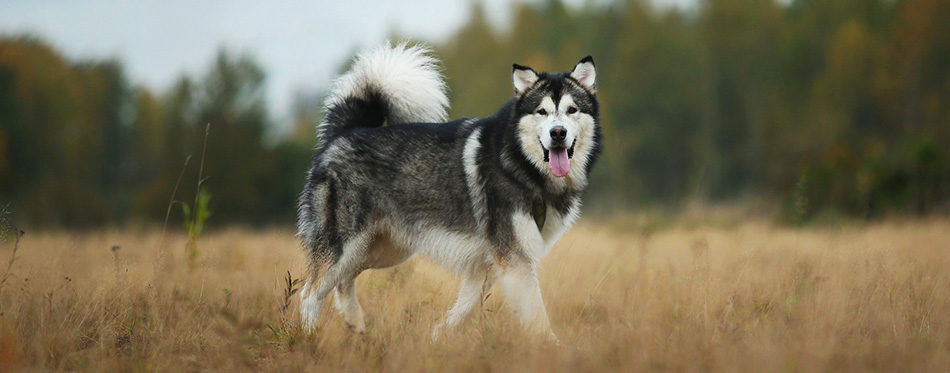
(437, 332)
(356, 322)
(358, 329)
(441, 330)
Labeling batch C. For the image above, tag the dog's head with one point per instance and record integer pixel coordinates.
(557, 115)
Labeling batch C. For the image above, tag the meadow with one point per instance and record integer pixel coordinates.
(621, 294)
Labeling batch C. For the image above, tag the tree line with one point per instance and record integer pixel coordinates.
(818, 106)
(81, 147)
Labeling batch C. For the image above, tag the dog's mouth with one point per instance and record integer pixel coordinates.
(559, 159)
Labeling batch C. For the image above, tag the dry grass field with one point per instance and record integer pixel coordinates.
(750, 296)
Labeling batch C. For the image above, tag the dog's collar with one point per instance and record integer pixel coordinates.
(539, 210)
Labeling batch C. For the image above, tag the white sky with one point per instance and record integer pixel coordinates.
(300, 44)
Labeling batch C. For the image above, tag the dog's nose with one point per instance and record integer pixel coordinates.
(558, 133)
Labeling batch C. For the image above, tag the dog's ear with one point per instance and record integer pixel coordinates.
(523, 78)
(585, 73)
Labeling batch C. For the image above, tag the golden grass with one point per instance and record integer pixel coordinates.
(748, 297)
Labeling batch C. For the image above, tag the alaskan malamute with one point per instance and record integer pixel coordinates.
(487, 197)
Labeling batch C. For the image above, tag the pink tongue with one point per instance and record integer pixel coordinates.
(558, 162)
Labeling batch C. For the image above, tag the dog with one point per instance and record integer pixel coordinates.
(486, 198)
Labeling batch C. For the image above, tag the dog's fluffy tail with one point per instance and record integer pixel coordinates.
(400, 84)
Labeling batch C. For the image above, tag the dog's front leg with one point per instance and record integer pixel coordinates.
(470, 296)
(522, 292)
(518, 277)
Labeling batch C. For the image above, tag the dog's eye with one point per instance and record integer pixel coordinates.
(571, 110)
(542, 112)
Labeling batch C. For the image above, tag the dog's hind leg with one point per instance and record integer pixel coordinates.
(346, 302)
(347, 266)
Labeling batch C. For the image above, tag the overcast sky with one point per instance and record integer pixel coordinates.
(300, 44)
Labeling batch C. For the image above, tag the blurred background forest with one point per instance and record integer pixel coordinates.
(811, 107)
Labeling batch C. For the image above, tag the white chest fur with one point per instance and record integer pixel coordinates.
(537, 244)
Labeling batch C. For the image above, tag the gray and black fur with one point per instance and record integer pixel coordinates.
(391, 180)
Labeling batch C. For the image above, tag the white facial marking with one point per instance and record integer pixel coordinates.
(535, 136)
(558, 116)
